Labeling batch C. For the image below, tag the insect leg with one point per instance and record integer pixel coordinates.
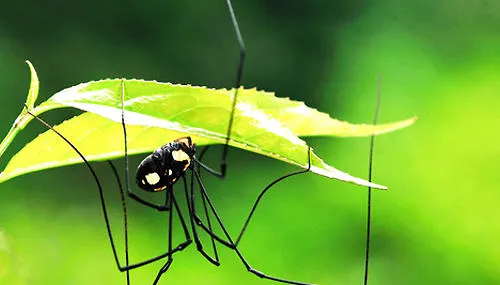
(180, 247)
(198, 220)
(105, 212)
(369, 198)
(125, 220)
(230, 242)
(239, 73)
(166, 266)
(207, 215)
(268, 187)
(172, 201)
(191, 205)
(127, 170)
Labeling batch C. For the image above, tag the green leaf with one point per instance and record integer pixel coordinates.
(294, 115)
(306, 121)
(156, 113)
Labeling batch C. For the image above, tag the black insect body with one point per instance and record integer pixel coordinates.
(165, 165)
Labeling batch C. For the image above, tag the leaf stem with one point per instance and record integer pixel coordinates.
(11, 134)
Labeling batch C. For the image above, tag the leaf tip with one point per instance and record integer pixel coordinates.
(34, 86)
(374, 185)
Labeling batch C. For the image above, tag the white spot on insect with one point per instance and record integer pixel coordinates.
(152, 178)
(180, 155)
(170, 172)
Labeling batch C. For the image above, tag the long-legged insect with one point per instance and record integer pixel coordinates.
(162, 169)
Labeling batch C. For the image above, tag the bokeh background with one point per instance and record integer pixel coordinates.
(438, 224)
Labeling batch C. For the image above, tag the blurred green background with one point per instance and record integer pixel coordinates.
(438, 224)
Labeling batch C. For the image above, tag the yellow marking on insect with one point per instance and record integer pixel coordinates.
(152, 178)
(185, 141)
(180, 155)
(160, 188)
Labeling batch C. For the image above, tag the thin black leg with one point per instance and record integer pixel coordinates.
(202, 153)
(198, 220)
(96, 179)
(166, 207)
(127, 170)
(159, 207)
(163, 270)
(191, 205)
(264, 275)
(207, 216)
(200, 223)
(166, 266)
(105, 212)
(259, 198)
(171, 251)
(239, 74)
(369, 198)
(223, 165)
(231, 243)
(125, 220)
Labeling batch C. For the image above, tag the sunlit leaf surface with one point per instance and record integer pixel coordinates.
(156, 113)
